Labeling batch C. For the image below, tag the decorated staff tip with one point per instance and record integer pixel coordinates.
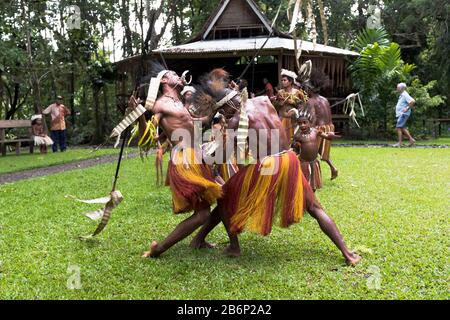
(104, 214)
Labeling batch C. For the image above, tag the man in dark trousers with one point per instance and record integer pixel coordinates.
(58, 128)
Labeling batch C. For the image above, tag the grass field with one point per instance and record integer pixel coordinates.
(12, 162)
(438, 141)
(390, 204)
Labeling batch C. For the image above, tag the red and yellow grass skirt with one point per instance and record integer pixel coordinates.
(253, 198)
(192, 184)
(313, 174)
(325, 144)
(227, 170)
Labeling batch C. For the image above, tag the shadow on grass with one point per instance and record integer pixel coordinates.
(89, 243)
(261, 254)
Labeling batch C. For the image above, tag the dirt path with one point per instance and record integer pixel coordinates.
(39, 172)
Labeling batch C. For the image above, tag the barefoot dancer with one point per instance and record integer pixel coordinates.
(192, 185)
(161, 148)
(319, 107)
(252, 198)
(305, 142)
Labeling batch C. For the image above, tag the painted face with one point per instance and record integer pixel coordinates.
(304, 124)
(188, 96)
(172, 79)
(286, 82)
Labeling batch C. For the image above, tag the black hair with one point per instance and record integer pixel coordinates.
(317, 81)
(289, 78)
(155, 68)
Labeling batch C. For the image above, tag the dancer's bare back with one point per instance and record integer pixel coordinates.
(262, 115)
(322, 111)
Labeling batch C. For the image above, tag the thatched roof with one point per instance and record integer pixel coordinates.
(238, 46)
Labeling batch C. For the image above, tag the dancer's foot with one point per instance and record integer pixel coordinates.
(353, 259)
(397, 145)
(334, 174)
(201, 244)
(232, 252)
(412, 142)
(153, 253)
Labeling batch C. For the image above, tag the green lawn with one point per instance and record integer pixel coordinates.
(437, 141)
(390, 204)
(12, 162)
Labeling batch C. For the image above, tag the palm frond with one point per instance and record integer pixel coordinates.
(370, 36)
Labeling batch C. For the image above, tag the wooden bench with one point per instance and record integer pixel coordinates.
(13, 124)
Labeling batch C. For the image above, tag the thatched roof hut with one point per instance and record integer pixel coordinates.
(230, 38)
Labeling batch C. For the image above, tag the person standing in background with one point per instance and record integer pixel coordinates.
(402, 113)
(58, 111)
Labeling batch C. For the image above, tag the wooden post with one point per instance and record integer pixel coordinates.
(30, 131)
(280, 65)
(2, 140)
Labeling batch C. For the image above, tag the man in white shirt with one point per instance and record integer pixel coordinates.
(402, 112)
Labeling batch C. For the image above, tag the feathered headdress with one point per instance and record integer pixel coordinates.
(36, 116)
(304, 72)
(186, 89)
(288, 73)
(318, 81)
(303, 113)
(220, 73)
(211, 91)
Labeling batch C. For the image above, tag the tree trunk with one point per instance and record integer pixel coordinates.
(34, 78)
(127, 41)
(72, 93)
(98, 126)
(361, 18)
(106, 118)
(13, 103)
